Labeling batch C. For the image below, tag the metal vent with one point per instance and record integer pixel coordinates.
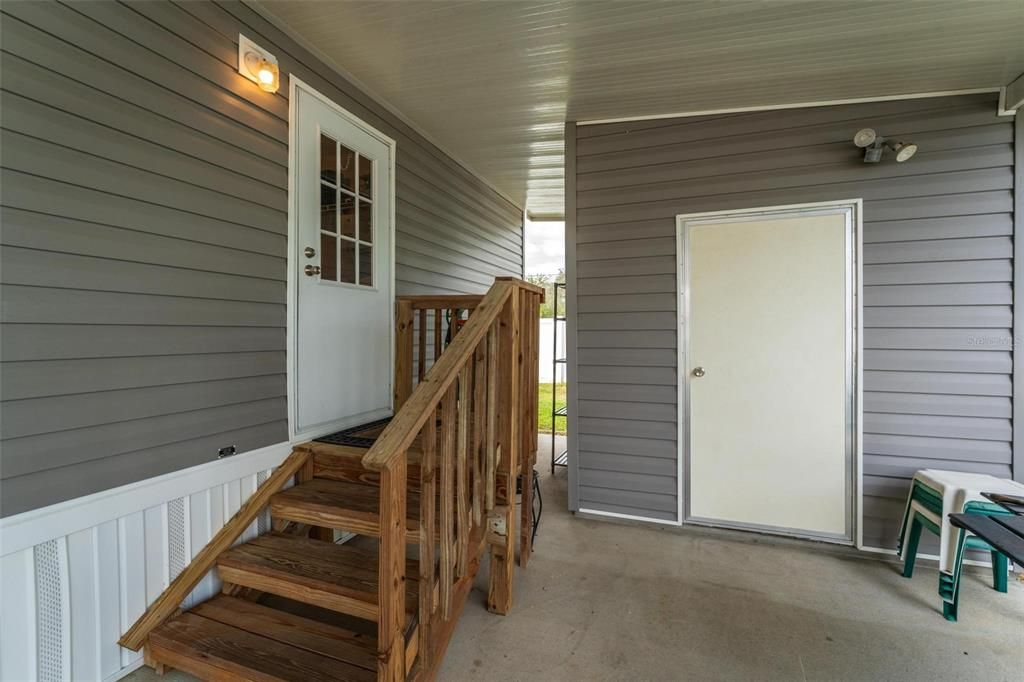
(50, 611)
(177, 545)
(263, 520)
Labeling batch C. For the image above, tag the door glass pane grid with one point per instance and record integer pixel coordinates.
(346, 214)
(364, 219)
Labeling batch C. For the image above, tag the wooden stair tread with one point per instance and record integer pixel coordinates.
(338, 577)
(214, 650)
(328, 640)
(340, 504)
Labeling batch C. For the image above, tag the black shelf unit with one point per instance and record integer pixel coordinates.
(560, 459)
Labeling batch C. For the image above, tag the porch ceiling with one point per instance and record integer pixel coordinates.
(492, 82)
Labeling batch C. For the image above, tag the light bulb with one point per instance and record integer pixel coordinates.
(262, 70)
(267, 75)
(905, 151)
(865, 137)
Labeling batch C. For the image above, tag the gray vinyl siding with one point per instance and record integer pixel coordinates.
(144, 216)
(937, 276)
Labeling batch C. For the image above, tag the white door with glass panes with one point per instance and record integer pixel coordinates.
(342, 297)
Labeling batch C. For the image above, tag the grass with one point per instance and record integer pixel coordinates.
(544, 408)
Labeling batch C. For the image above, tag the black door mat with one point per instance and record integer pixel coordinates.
(362, 436)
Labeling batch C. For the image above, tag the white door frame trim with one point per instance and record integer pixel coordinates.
(854, 534)
(293, 242)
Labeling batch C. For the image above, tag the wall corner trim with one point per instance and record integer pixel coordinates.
(31, 528)
(572, 398)
(1017, 444)
(1011, 97)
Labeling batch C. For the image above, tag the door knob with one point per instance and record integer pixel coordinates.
(312, 270)
(309, 251)
(698, 371)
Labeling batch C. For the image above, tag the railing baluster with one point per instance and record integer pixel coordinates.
(438, 321)
(461, 472)
(479, 368)
(422, 357)
(428, 503)
(403, 352)
(447, 500)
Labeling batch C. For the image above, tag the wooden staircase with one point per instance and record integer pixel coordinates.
(425, 501)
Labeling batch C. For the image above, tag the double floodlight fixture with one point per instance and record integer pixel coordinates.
(874, 145)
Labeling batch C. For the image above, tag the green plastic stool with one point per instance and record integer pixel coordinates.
(949, 585)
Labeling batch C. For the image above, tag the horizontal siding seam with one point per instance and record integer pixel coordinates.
(185, 240)
(132, 452)
(895, 176)
(282, 165)
(157, 295)
(152, 203)
(205, 408)
(820, 185)
(224, 273)
(194, 102)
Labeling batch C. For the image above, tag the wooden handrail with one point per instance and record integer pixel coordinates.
(523, 284)
(171, 598)
(405, 427)
(439, 302)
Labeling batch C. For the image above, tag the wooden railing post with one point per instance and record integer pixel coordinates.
(391, 572)
(499, 594)
(404, 331)
(528, 407)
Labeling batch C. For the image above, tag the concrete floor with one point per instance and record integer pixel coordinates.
(603, 601)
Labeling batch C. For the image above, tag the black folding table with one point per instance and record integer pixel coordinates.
(1004, 533)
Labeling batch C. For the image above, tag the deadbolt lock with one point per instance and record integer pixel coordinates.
(698, 371)
(310, 252)
(312, 270)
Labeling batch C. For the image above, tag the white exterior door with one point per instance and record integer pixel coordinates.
(341, 300)
(769, 369)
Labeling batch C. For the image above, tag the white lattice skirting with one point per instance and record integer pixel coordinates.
(75, 575)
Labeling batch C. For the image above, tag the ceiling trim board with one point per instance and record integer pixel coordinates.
(545, 217)
(805, 105)
(258, 7)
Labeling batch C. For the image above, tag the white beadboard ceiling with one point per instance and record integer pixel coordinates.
(493, 82)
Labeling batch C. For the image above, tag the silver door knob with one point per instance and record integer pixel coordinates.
(309, 252)
(311, 270)
(698, 371)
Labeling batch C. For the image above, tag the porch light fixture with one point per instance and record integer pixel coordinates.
(258, 65)
(874, 145)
